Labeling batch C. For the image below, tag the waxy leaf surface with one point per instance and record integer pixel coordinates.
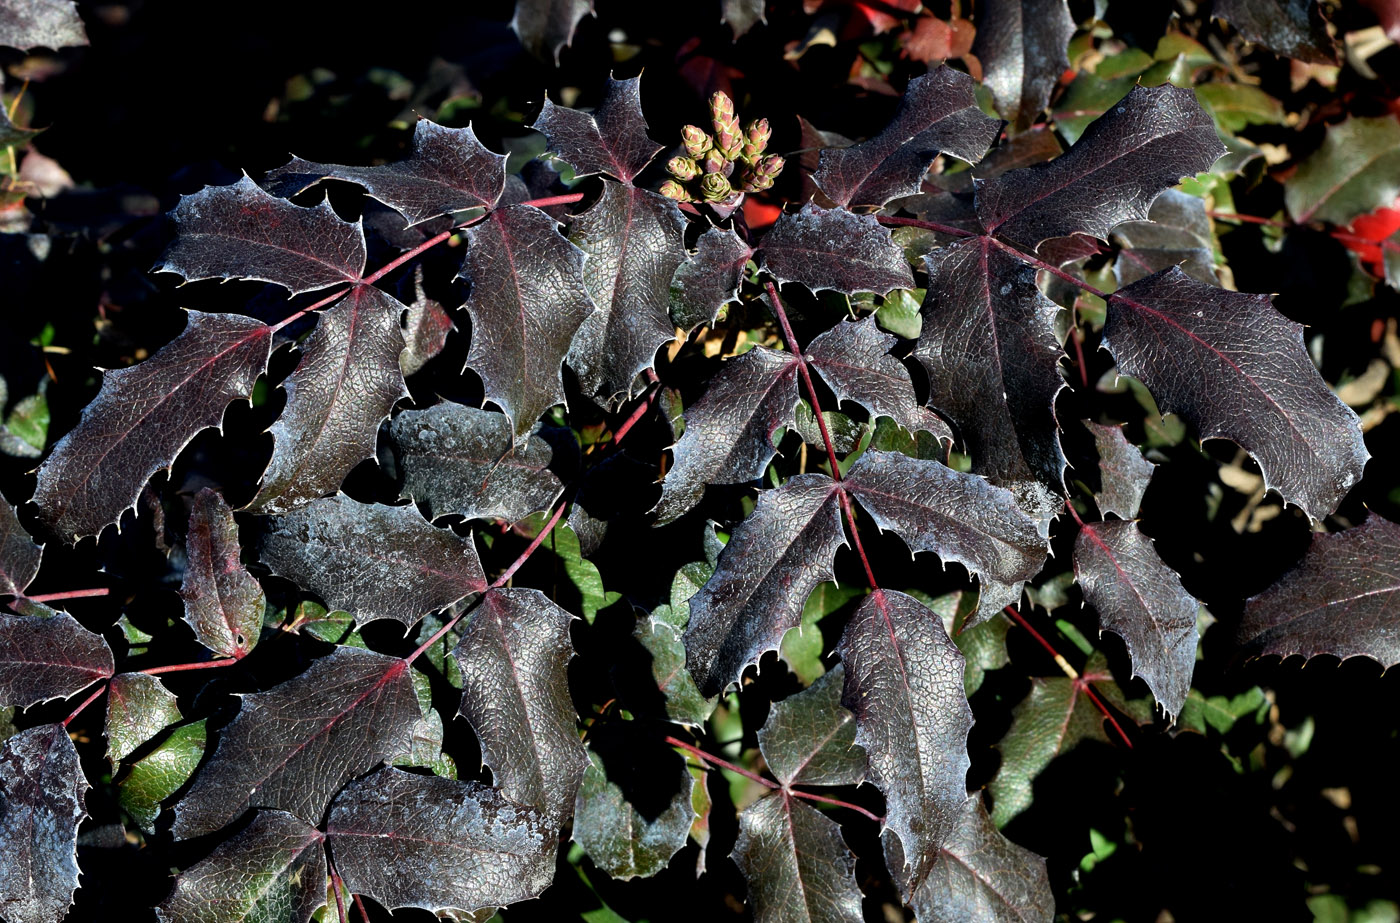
(1294, 28)
(19, 556)
(1355, 171)
(798, 867)
(854, 360)
(1022, 45)
(612, 140)
(425, 329)
(546, 26)
(161, 773)
(1177, 232)
(836, 250)
(26, 24)
(48, 657)
(1123, 472)
(708, 279)
(223, 603)
(138, 708)
(41, 804)
(634, 837)
(810, 739)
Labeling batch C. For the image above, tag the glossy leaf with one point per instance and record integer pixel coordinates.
(42, 790)
(1022, 45)
(144, 416)
(709, 279)
(1177, 232)
(44, 657)
(1355, 171)
(138, 708)
(546, 26)
(684, 703)
(26, 24)
(810, 739)
(854, 360)
(612, 140)
(1123, 472)
(425, 329)
(1293, 28)
(623, 817)
(742, 15)
(19, 556)
(835, 250)
(798, 867)
(223, 603)
(161, 773)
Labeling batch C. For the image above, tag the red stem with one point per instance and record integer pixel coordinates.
(791, 339)
(337, 885)
(407, 255)
(101, 688)
(926, 225)
(636, 416)
(809, 796)
(68, 594)
(201, 665)
(566, 199)
(364, 911)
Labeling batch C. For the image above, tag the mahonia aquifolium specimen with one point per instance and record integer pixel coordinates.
(707, 173)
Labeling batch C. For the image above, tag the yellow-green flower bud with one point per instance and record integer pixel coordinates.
(715, 187)
(674, 190)
(683, 168)
(696, 141)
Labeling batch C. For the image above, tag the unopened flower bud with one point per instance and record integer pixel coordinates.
(683, 168)
(714, 162)
(756, 139)
(696, 141)
(715, 187)
(721, 110)
(674, 190)
(770, 166)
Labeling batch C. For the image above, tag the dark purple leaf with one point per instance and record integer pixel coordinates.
(143, 416)
(420, 841)
(728, 435)
(773, 560)
(373, 561)
(982, 877)
(904, 682)
(1123, 472)
(41, 804)
(292, 748)
(854, 360)
(809, 739)
(709, 279)
(1151, 139)
(546, 26)
(449, 171)
(633, 811)
(612, 140)
(19, 556)
(346, 383)
(797, 865)
(1342, 599)
(633, 240)
(457, 459)
(959, 517)
(26, 24)
(938, 114)
(45, 657)
(1293, 28)
(1177, 232)
(223, 603)
(425, 328)
(275, 869)
(837, 250)
(1140, 599)
(1023, 46)
(527, 300)
(138, 708)
(514, 660)
(742, 15)
(1252, 382)
(242, 232)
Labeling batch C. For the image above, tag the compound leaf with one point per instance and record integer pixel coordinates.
(138, 708)
(810, 739)
(223, 603)
(1294, 28)
(854, 360)
(798, 867)
(26, 24)
(1123, 472)
(1023, 46)
(612, 140)
(548, 25)
(41, 804)
(44, 657)
(19, 556)
(835, 249)
(709, 279)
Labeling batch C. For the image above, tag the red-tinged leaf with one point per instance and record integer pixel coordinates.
(742, 15)
(1293, 28)
(528, 298)
(1342, 598)
(41, 804)
(797, 865)
(293, 747)
(223, 603)
(633, 241)
(1023, 46)
(835, 250)
(612, 140)
(854, 360)
(144, 416)
(51, 656)
(425, 328)
(373, 561)
(242, 232)
(275, 869)
(1123, 472)
(19, 556)
(544, 27)
(810, 739)
(935, 40)
(1140, 599)
(959, 517)
(1177, 232)
(904, 682)
(514, 660)
(772, 562)
(938, 114)
(26, 24)
(1151, 139)
(449, 171)
(728, 436)
(345, 385)
(709, 279)
(421, 841)
(458, 459)
(982, 877)
(1252, 382)
(138, 708)
(989, 347)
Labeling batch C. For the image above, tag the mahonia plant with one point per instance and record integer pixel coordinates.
(305, 790)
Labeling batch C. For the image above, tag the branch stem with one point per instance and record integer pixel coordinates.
(68, 594)
(722, 764)
(837, 802)
(201, 665)
(101, 688)
(806, 374)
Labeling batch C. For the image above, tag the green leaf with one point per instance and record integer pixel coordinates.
(634, 835)
(1356, 171)
(802, 646)
(138, 708)
(684, 703)
(29, 422)
(1237, 105)
(582, 573)
(1221, 713)
(160, 773)
(900, 313)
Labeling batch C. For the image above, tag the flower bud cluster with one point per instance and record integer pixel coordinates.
(707, 172)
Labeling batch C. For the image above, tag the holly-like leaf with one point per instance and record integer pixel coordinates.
(982, 877)
(1140, 599)
(1342, 598)
(425, 328)
(1252, 382)
(1293, 28)
(633, 811)
(1354, 172)
(26, 24)
(938, 114)
(835, 250)
(742, 15)
(528, 298)
(709, 279)
(633, 241)
(273, 870)
(44, 657)
(19, 556)
(41, 804)
(11, 135)
(292, 748)
(373, 561)
(684, 703)
(798, 867)
(242, 232)
(988, 344)
(959, 517)
(448, 171)
(223, 603)
(458, 459)
(1123, 472)
(773, 560)
(1151, 139)
(138, 708)
(1177, 232)
(144, 416)
(161, 773)
(904, 682)
(854, 360)
(612, 140)
(387, 830)
(1023, 47)
(514, 660)
(728, 436)
(810, 739)
(546, 26)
